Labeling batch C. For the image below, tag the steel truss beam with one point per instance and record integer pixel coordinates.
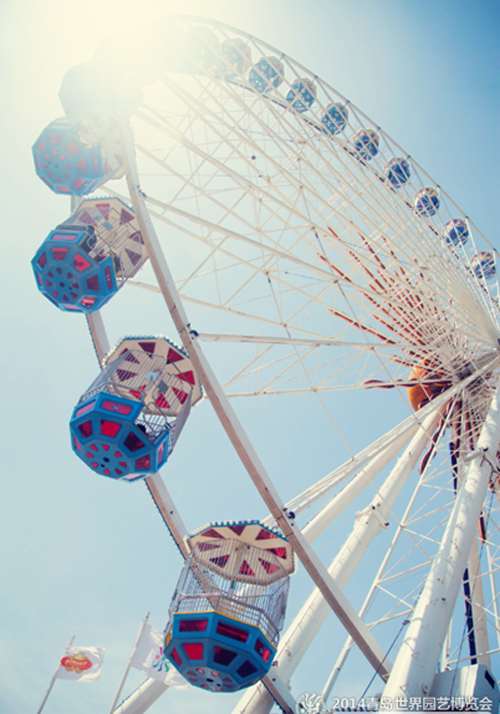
(330, 590)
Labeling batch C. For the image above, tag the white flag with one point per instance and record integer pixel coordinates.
(149, 658)
(82, 664)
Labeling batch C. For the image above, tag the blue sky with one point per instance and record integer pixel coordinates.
(85, 556)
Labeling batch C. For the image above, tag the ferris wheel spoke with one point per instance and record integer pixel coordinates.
(402, 431)
(238, 313)
(379, 297)
(365, 291)
(328, 587)
(323, 377)
(282, 200)
(400, 603)
(197, 190)
(98, 335)
(279, 165)
(267, 203)
(255, 244)
(272, 340)
(356, 544)
(301, 264)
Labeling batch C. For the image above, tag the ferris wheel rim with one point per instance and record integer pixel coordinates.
(332, 90)
(216, 23)
(328, 272)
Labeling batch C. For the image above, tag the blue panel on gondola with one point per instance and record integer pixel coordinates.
(64, 163)
(397, 171)
(335, 118)
(68, 276)
(301, 95)
(366, 144)
(483, 265)
(216, 652)
(268, 74)
(426, 202)
(456, 232)
(106, 437)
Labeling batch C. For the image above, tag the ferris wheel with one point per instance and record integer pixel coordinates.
(302, 254)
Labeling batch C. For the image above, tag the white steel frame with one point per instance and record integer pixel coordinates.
(312, 183)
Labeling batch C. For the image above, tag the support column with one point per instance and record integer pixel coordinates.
(417, 662)
(299, 636)
(143, 697)
(242, 445)
(340, 502)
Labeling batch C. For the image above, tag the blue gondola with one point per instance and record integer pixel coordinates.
(89, 257)
(68, 276)
(229, 605)
(236, 59)
(301, 95)
(335, 118)
(76, 156)
(456, 232)
(426, 202)
(267, 74)
(108, 437)
(398, 172)
(127, 422)
(483, 265)
(366, 144)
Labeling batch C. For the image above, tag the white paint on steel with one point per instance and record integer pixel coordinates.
(315, 492)
(477, 604)
(99, 337)
(337, 601)
(338, 503)
(168, 510)
(419, 654)
(299, 636)
(143, 697)
(494, 593)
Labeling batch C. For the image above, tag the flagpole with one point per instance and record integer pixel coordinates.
(127, 668)
(53, 679)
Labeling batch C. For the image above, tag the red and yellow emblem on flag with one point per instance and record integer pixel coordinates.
(76, 663)
(81, 664)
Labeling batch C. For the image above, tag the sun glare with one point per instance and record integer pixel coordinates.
(123, 27)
